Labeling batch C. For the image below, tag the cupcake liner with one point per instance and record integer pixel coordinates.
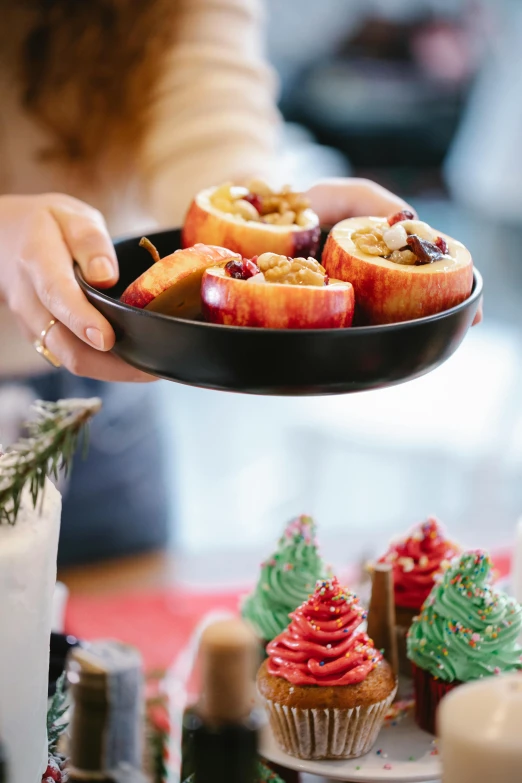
(327, 733)
(429, 692)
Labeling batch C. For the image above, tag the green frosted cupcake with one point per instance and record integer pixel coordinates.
(466, 629)
(286, 580)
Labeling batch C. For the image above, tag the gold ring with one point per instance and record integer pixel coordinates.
(41, 347)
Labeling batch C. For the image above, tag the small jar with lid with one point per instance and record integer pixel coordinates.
(106, 729)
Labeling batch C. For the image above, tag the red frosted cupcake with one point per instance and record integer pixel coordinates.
(416, 561)
(325, 686)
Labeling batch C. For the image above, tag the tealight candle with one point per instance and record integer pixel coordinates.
(479, 729)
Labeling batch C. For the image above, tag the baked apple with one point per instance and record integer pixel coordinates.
(253, 220)
(172, 285)
(276, 292)
(400, 268)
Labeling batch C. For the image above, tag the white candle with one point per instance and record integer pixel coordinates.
(480, 731)
(28, 551)
(516, 570)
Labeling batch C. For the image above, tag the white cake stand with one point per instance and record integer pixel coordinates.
(402, 753)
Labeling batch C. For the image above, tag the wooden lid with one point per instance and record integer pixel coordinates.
(229, 658)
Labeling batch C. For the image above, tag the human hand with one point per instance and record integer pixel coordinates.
(343, 197)
(39, 238)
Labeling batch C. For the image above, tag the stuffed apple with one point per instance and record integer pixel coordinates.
(252, 221)
(276, 292)
(400, 268)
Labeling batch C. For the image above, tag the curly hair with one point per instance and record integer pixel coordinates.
(87, 69)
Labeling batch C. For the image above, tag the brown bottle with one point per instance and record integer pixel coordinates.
(221, 731)
(106, 729)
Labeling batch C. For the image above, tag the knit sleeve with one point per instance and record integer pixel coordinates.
(215, 117)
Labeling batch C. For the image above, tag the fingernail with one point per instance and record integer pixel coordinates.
(95, 337)
(100, 269)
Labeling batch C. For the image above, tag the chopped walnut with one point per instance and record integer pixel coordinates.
(260, 203)
(370, 240)
(403, 257)
(292, 271)
(246, 209)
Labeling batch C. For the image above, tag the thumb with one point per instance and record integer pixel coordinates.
(88, 241)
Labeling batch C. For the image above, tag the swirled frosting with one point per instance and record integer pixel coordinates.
(467, 629)
(416, 561)
(286, 579)
(324, 644)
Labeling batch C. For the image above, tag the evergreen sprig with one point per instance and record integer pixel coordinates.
(52, 438)
(56, 726)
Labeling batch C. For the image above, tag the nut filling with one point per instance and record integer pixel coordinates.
(292, 271)
(273, 268)
(260, 203)
(403, 240)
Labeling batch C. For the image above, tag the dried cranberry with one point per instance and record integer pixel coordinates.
(405, 214)
(251, 266)
(241, 269)
(255, 200)
(326, 280)
(442, 245)
(234, 269)
(425, 251)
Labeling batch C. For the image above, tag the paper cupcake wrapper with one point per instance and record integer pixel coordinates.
(327, 733)
(429, 692)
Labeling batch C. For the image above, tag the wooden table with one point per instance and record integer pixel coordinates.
(155, 570)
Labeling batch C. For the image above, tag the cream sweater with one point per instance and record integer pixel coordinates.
(215, 119)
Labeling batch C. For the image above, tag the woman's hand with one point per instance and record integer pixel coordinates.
(39, 238)
(344, 197)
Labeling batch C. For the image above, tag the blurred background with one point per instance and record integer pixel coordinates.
(422, 97)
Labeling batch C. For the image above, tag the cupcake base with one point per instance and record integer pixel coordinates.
(327, 733)
(429, 692)
(333, 722)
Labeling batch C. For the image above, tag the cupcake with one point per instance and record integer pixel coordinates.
(325, 687)
(466, 630)
(286, 580)
(416, 561)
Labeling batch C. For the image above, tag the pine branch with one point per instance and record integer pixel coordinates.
(49, 447)
(57, 709)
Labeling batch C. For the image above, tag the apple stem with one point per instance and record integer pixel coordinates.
(147, 244)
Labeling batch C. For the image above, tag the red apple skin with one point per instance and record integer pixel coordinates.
(275, 306)
(249, 238)
(171, 269)
(395, 293)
